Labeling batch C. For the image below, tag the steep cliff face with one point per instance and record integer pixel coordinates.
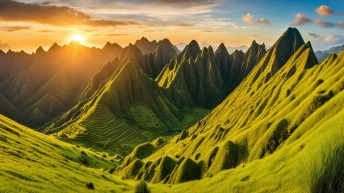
(204, 77)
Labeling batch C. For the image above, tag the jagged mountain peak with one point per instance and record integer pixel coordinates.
(133, 53)
(40, 50)
(54, 47)
(290, 41)
(221, 50)
(110, 45)
(206, 52)
(9, 51)
(291, 37)
(143, 39)
(165, 41)
(222, 46)
(146, 46)
(165, 44)
(194, 45)
(254, 43)
(191, 50)
(236, 52)
(330, 58)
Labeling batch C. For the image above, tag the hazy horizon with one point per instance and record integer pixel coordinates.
(41, 23)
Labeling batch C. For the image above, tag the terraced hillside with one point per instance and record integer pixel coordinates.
(122, 109)
(275, 132)
(33, 162)
(113, 112)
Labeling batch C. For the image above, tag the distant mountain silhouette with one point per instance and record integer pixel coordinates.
(323, 54)
(49, 82)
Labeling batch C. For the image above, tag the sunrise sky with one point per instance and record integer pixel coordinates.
(27, 24)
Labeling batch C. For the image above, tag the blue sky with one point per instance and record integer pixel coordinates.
(234, 22)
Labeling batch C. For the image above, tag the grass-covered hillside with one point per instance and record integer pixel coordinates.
(33, 162)
(312, 164)
(279, 131)
(121, 108)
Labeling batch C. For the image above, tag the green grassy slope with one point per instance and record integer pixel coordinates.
(284, 100)
(33, 162)
(127, 109)
(311, 164)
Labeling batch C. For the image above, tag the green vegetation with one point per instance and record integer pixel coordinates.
(33, 162)
(141, 187)
(127, 110)
(204, 78)
(281, 130)
(261, 134)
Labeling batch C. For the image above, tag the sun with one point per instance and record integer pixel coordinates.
(78, 38)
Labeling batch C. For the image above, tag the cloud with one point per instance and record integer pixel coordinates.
(262, 21)
(326, 41)
(161, 8)
(249, 19)
(15, 28)
(325, 23)
(340, 24)
(301, 19)
(333, 39)
(50, 14)
(185, 25)
(183, 2)
(324, 10)
(314, 35)
(109, 34)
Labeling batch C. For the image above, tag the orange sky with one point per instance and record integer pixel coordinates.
(45, 35)
(27, 24)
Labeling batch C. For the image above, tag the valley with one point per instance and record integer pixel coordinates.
(154, 116)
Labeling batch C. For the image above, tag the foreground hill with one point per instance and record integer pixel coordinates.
(311, 164)
(33, 162)
(285, 110)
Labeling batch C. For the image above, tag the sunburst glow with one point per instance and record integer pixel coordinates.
(78, 38)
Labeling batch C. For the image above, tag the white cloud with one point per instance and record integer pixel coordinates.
(249, 19)
(324, 10)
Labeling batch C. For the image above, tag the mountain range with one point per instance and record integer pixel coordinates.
(274, 117)
(323, 54)
(197, 120)
(113, 112)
